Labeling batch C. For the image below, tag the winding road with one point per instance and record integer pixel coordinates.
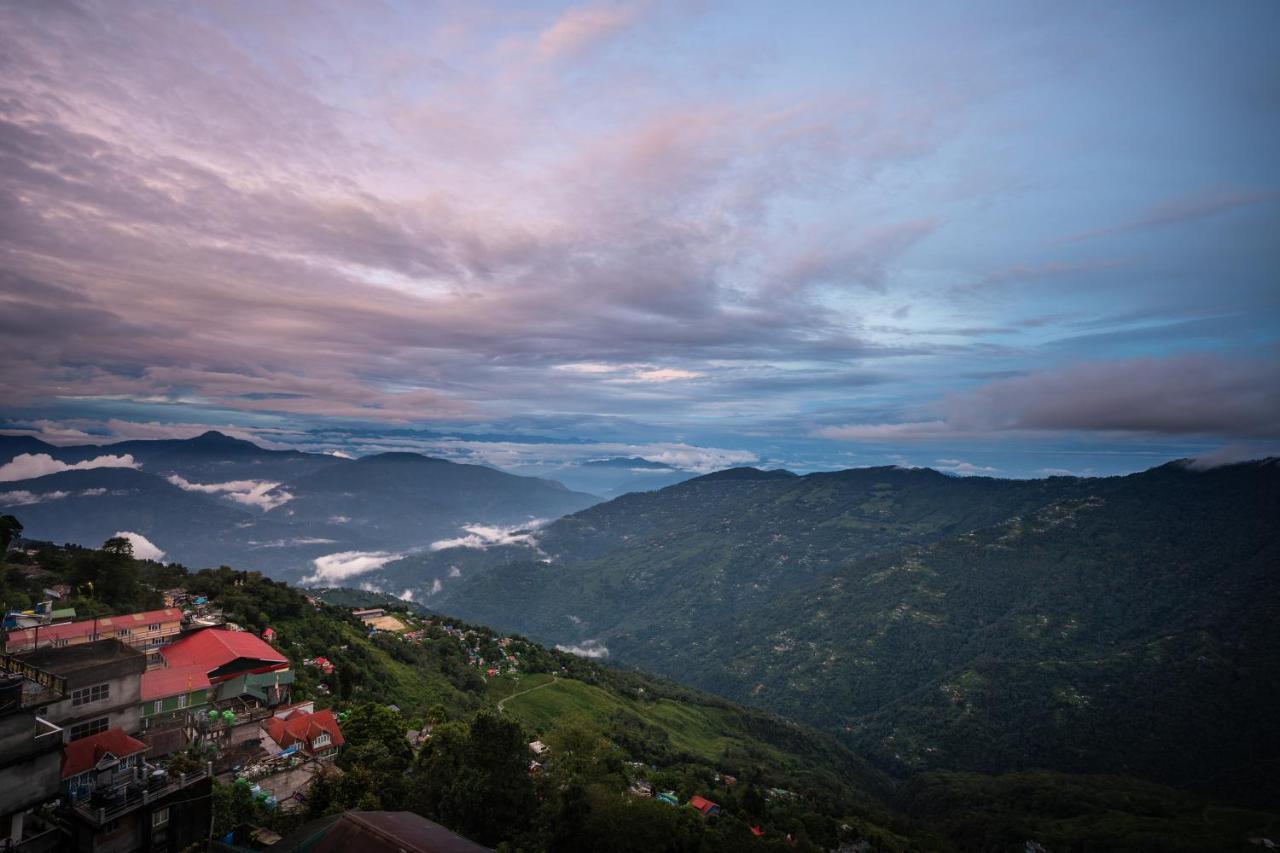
(502, 702)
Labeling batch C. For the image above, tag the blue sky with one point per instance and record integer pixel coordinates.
(1002, 238)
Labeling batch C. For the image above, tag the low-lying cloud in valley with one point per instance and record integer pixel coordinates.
(484, 536)
(334, 568)
(26, 466)
(262, 494)
(586, 649)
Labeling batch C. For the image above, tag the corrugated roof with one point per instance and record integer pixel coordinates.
(106, 626)
(170, 681)
(85, 753)
(214, 647)
(302, 726)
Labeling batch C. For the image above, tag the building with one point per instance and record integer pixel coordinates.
(369, 613)
(30, 758)
(314, 734)
(147, 631)
(103, 686)
(703, 806)
(232, 678)
(404, 831)
(116, 802)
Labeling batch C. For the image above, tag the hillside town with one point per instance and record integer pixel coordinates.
(115, 729)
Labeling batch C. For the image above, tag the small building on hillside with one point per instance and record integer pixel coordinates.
(703, 806)
(315, 734)
(369, 613)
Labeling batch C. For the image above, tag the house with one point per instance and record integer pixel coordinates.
(169, 697)
(357, 830)
(146, 630)
(269, 634)
(30, 760)
(703, 806)
(233, 660)
(316, 734)
(369, 614)
(115, 801)
(539, 748)
(103, 685)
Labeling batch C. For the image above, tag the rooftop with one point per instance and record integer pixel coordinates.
(214, 647)
(85, 753)
(103, 625)
(404, 831)
(68, 659)
(159, 683)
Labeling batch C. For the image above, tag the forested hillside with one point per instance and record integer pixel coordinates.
(934, 622)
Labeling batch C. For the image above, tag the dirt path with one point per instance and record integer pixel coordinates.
(502, 702)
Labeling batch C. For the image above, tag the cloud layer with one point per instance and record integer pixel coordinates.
(848, 222)
(336, 568)
(25, 466)
(262, 494)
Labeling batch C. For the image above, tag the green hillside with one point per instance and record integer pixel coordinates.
(943, 623)
(611, 731)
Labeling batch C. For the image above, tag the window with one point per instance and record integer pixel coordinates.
(155, 626)
(157, 706)
(91, 727)
(85, 695)
(320, 740)
(159, 817)
(122, 632)
(182, 700)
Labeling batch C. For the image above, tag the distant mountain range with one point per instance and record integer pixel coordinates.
(1123, 625)
(215, 499)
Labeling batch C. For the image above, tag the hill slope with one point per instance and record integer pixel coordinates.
(937, 622)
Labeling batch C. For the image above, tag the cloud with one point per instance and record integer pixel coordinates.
(1189, 395)
(262, 494)
(290, 543)
(22, 497)
(586, 649)
(1231, 454)
(436, 586)
(406, 595)
(334, 568)
(963, 468)
(581, 27)
(484, 536)
(143, 548)
(1198, 205)
(455, 572)
(25, 466)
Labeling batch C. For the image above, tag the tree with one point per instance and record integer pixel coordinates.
(118, 545)
(10, 529)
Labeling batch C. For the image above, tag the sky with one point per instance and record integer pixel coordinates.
(1013, 239)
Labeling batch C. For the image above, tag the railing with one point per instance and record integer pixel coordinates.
(136, 798)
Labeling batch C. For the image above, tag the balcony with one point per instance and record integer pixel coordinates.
(129, 791)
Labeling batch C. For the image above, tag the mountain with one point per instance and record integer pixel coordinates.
(618, 475)
(937, 622)
(216, 499)
(209, 457)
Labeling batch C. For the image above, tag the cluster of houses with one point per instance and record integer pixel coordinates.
(88, 708)
(413, 630)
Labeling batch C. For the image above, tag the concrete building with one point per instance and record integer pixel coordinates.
(146, 631)
(116, 802)
(30, 758)
(103, 686)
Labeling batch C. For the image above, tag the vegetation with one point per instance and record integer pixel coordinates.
(936, 623)
(615, 734)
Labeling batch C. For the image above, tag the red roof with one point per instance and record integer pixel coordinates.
(214, 647)
(757, 831)
(302, 726)
(702, 804)
(107, 626)
(85, 753)
(159, 683)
